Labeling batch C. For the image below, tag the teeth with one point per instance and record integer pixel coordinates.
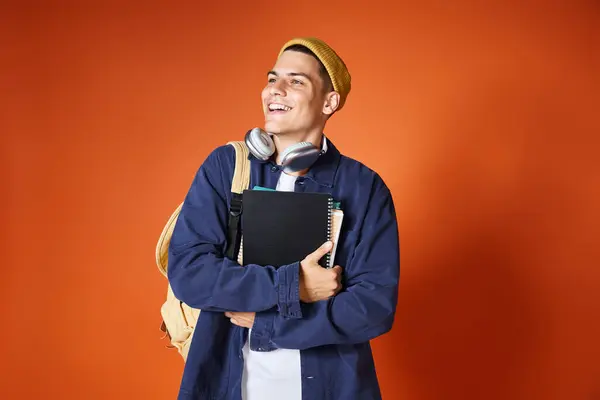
(275, 106)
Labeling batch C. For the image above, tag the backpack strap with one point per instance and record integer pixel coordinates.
(241, 181)
(241, 174)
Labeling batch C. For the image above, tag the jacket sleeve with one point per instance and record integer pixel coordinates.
(364, 309)
(198, 272)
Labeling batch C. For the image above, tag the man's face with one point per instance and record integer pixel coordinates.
(294, 97)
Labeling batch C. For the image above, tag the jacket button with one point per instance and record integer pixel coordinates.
(273, 169)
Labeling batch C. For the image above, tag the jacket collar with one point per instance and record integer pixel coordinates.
(323, 171)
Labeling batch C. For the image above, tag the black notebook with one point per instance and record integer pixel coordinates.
(281, 228)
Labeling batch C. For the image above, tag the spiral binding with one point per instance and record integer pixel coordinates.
(240, 257)
(329, 223)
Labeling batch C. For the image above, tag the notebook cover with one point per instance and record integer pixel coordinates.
(281, 228)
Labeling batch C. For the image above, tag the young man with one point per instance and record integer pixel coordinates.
(298, 331)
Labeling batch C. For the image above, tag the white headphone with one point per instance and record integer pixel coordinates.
(295, 158)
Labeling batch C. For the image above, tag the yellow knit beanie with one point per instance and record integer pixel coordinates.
(338, 73)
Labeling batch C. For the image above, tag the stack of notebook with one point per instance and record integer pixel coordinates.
(281, 228)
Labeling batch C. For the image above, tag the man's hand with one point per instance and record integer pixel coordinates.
(318, 283)
(243, 319)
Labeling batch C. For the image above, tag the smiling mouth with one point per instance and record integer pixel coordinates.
(277, 108)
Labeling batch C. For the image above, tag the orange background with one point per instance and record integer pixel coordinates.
(483, 120)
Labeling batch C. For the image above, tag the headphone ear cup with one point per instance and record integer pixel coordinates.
(260, 144)
(299, 156)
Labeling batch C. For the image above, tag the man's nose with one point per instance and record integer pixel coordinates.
(277, 88)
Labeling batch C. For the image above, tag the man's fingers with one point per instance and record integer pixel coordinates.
(320, 252)
(243, 319)
(241, 322)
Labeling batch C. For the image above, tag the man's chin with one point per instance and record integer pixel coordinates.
(272, 128)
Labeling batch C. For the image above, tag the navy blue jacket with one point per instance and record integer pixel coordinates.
(332, 335)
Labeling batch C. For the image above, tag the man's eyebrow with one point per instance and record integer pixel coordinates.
(291, 74)
(300, 74)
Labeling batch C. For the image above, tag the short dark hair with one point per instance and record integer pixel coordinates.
(327, 85)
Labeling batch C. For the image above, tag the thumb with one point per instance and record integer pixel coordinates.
(320, 252)
(337, 269)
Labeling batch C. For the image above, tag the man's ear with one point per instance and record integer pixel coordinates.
(332, 102)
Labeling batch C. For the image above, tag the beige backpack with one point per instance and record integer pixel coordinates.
(179, 319)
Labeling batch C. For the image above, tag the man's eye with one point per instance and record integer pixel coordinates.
(271, 80)
(296, 82)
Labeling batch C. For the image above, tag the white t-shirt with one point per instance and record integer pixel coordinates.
(273, 375)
